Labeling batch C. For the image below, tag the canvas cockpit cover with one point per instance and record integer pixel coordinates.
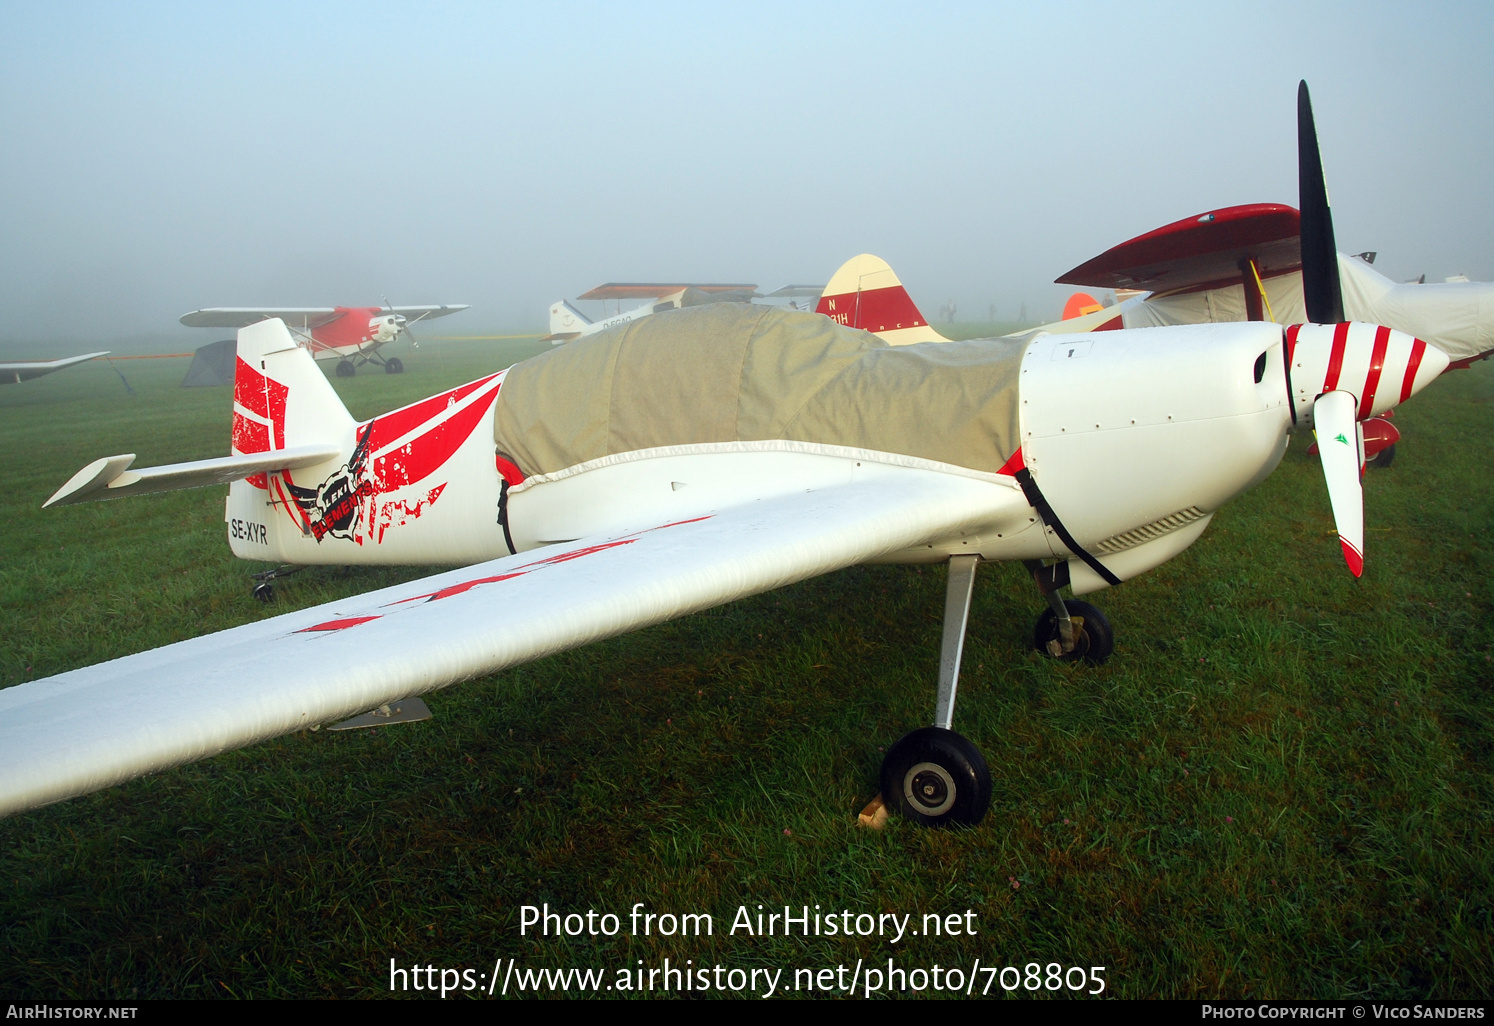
(732, 372)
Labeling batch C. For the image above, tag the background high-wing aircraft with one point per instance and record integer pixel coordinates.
(1267, 261)
(566, 322)
(15, 372)
(351, 335)
(675, 463)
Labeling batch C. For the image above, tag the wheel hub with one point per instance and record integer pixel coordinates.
(929, 788)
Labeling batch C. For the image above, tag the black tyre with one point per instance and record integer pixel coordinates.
(936, 778)
(345, 369)
(264, 592)
(1385, 457)
(393, 366)
(1095, 639)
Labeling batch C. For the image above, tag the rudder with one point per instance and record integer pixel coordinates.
(865, 293)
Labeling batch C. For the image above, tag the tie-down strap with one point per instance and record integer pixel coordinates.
(1036, 500)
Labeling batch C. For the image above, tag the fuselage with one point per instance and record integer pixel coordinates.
(1135, 437)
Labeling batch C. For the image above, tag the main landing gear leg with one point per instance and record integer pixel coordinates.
(933, 775)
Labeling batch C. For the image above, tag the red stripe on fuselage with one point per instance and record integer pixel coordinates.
(1336, 359)
(1418, 349)
(390, 426)
(424, 454)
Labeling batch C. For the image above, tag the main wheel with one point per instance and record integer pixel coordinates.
(937, 778)
(1095, 640)
(1385, 457)
(393, 366)
(345, 369)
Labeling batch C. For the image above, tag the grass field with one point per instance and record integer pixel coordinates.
(1282, 785)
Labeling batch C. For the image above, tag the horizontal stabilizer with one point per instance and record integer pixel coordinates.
(112, 478)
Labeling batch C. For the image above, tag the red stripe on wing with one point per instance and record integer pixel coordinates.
(338, 625)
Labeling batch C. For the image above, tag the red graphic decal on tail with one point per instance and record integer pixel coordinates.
(347, 504)
(400, 512)
(423, 455)
(264, 398)
(391, 426)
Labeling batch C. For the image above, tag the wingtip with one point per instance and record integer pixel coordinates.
(1353, 557)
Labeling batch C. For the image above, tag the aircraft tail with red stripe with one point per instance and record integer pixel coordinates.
(384, 496)
(866, 294)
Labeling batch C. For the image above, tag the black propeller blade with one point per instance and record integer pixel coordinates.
(1320, 285)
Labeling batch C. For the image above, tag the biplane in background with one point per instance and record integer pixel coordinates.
(15, 372)
(351, 335)
(1267, 261)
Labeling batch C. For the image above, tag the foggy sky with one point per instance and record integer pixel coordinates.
(160, 158)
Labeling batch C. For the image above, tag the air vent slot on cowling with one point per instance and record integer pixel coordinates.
(1151, 532)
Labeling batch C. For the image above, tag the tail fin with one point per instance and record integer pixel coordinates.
(566, 322)
(281, 399)
(1080, 304)
(865, 293)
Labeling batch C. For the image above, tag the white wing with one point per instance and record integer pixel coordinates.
(243, 316)
(297, 316)
(101, 725)
(15, 373)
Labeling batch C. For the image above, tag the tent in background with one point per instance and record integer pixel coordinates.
(212, 364)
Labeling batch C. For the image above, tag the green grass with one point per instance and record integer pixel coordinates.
(1280, 786)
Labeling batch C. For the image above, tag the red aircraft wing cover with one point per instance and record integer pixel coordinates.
(1206, 251)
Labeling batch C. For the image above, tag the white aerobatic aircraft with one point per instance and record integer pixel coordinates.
(677, 463)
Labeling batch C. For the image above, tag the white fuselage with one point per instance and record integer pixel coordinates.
(1135, 437)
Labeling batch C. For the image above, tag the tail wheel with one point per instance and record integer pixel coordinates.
(345, 369)
(393, 366)
(936, 778)
(1094, 640)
